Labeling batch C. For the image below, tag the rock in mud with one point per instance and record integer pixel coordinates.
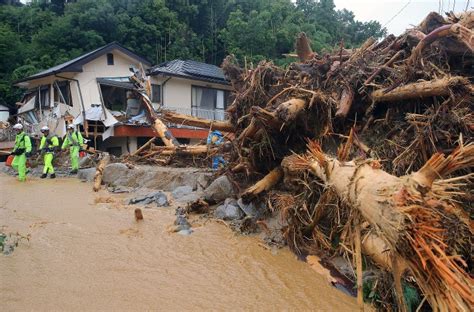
(182, 191)
(230, 210)
(119, 189)
(181, 224)
(219, 190)
(190, 198)
(159, 198)
(249, 209)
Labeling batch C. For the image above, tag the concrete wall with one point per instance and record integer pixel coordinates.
(126, 146)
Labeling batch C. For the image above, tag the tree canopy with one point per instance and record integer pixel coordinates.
(45, 33)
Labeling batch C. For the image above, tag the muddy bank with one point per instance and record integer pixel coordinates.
(88, 256)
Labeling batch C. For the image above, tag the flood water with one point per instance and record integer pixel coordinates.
(87, 256)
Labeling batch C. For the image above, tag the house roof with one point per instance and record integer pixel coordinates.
(75, 65)
(190, 70)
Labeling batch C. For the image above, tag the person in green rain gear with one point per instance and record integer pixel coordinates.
(21, 151)
(48, 145)
(74, 141)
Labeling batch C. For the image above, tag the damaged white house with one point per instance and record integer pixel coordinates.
(95, 87)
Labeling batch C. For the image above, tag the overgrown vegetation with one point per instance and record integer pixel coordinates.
(45, 33)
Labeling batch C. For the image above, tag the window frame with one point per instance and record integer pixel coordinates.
(110, 59)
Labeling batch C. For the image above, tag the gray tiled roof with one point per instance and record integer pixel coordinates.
(190, 70)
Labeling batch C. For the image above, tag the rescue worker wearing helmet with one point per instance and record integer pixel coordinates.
(21, 151)
(215, 138)
(49, 144)
(74, 141)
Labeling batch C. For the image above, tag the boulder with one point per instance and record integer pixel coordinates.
(114, 172)
(86, 175)
(230, 210)
(219, 190)
(181, 191)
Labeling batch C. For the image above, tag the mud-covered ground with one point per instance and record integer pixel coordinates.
(79, 250)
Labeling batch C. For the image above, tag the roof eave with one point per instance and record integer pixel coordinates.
(210, 80)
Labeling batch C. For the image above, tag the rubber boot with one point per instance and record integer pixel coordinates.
(44, 175)
(52, 176)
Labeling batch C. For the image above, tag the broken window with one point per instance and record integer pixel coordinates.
(156, 93)
(43, 98)
(209, 103)
(62, 92)
(110, 59)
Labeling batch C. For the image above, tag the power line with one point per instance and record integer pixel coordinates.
(398, 13)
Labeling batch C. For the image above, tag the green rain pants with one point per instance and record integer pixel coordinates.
(74, 153)
(48, 163)
(19, 164)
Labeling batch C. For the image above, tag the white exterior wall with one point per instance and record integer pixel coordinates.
(177, 91)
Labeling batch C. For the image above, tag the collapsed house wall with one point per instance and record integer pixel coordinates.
(98, 68)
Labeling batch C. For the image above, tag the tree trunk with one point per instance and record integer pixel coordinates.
(437, 87)
(100, 171)
(182, 119)
(407, 216)
(184, 150)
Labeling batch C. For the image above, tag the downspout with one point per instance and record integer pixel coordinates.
(82, 102)
(163, 91)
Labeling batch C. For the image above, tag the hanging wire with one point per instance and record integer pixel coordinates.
(398, 13)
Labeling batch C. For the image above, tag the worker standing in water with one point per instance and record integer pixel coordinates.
(48, 145)
(21, 151)
(74, 141)
(215, 138)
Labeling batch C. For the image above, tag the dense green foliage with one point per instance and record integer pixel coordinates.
(48, 32)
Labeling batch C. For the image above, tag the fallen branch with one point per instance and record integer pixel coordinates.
(265, 184)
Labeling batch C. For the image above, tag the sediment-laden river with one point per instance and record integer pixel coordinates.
(87, 256)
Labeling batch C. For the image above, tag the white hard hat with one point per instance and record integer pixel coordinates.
(18, 126)
(45, 128)
(70, 126)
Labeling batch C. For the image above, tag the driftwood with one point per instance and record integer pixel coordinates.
(100, 171)
(303, 48)
(187, 120)
(183, 150)
(437, 87)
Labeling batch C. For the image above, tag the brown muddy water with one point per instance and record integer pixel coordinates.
(87, 256)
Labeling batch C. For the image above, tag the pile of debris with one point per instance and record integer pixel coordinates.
(349, 149)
